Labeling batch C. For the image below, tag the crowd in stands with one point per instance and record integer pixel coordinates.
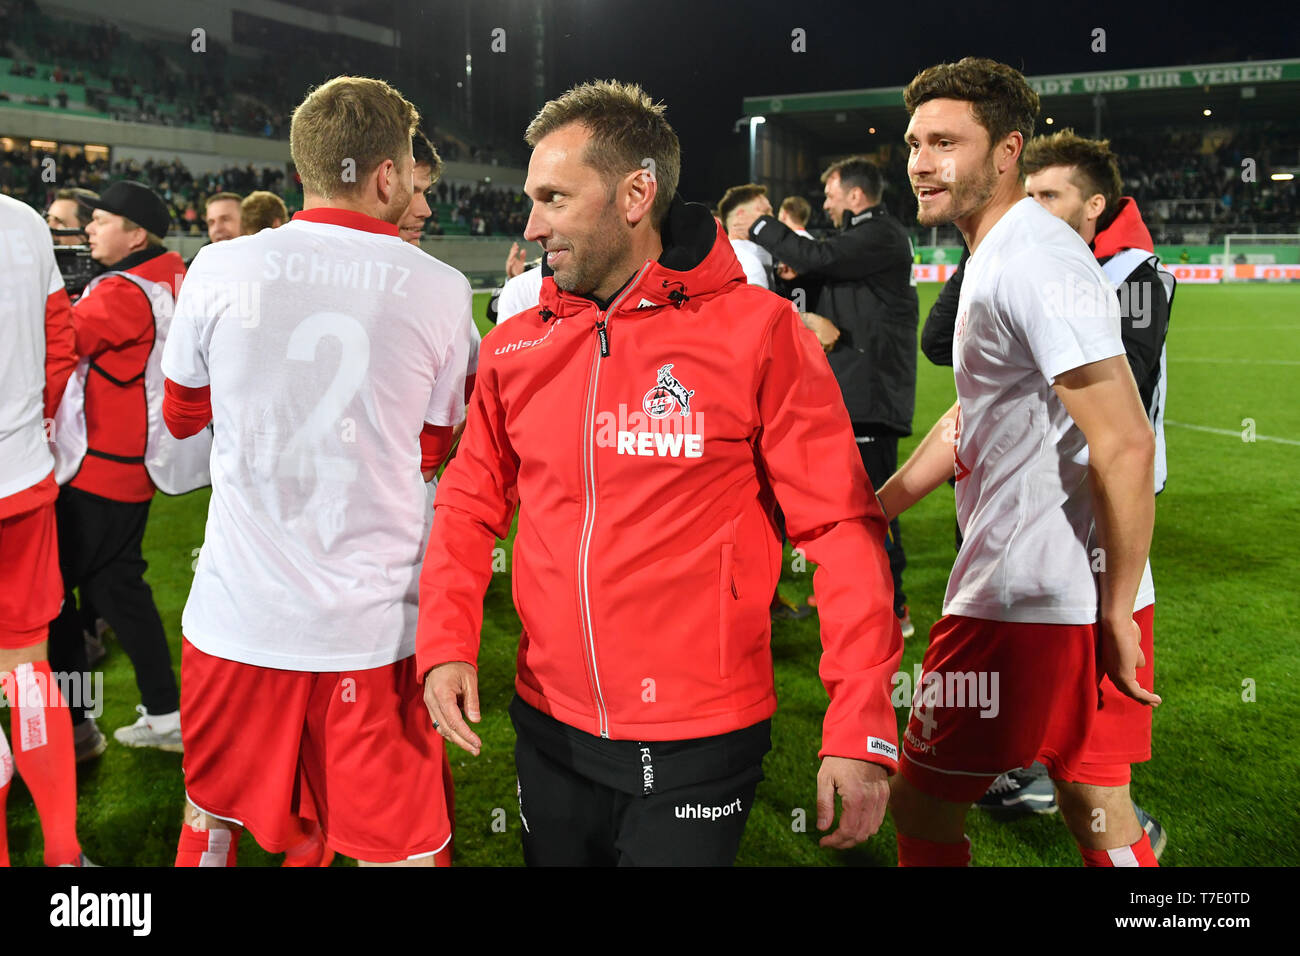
(1181, 186)
(184, 192)
(477, 209)
(1180, 190)
(1183, 180)
(485, 210)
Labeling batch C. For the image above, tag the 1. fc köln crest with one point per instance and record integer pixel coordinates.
(667, 395)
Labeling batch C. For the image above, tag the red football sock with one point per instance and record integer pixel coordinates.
(1139, 854)
(44, 755)
(916, 852)
(6, 774)
(208, 847)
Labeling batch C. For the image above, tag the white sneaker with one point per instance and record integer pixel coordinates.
(162, 731)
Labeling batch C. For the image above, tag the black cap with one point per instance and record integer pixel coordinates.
(136, 202)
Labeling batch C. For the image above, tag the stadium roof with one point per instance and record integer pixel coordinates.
(1175, 95)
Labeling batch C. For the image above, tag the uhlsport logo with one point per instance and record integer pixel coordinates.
(667, 395)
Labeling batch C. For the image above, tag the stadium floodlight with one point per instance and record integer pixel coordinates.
(754, 123)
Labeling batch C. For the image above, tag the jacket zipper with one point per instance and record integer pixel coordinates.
(589, 492)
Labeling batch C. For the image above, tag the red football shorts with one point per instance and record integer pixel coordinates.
(353, 750)
(1121, 731)
(31, 585)
(996, 695)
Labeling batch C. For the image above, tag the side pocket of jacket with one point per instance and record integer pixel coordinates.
(728, 606)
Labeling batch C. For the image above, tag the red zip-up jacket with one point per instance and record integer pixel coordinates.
(647, 554)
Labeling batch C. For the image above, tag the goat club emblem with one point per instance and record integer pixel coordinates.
(667, 395)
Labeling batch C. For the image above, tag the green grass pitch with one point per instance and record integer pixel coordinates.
(1223, 780)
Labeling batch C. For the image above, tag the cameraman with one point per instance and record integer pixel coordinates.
(67, 219)
(103, 507)
(67, 212)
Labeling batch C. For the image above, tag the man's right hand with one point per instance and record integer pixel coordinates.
(515, 261)
(447, 689)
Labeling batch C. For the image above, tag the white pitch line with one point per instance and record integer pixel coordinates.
(1234, 434)
(1235, 361)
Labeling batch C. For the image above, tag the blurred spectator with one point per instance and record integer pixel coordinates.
(795, 213)
(222, 215)
(739, 208)
(261, 210)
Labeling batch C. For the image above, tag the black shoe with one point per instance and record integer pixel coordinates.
(1022, 791)
(95, 650)
(88, 741)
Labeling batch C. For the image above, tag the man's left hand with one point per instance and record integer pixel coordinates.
(864, 792)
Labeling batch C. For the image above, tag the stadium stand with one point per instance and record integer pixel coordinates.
(1187, 177)
(77, 68)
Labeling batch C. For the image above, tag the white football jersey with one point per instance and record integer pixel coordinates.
(755, 260)
(327, 343)
(1034, 304)
(519, 294)
(28, 276)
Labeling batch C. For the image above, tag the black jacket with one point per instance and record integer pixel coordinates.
(868, 293)
(1144, 312)
(936, 334)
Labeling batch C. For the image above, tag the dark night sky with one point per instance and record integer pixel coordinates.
(701, 57)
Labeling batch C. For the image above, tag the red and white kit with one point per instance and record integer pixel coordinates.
(1021, 600)
(37, 354)
(327, 345)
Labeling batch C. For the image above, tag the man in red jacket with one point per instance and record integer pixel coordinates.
(102, 510)
(646, 417)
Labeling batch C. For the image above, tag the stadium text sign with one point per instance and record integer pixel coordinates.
(1188, 77)
(1061, 84)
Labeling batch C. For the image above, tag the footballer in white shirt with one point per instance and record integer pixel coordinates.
(1048, 436)
(324, 353)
